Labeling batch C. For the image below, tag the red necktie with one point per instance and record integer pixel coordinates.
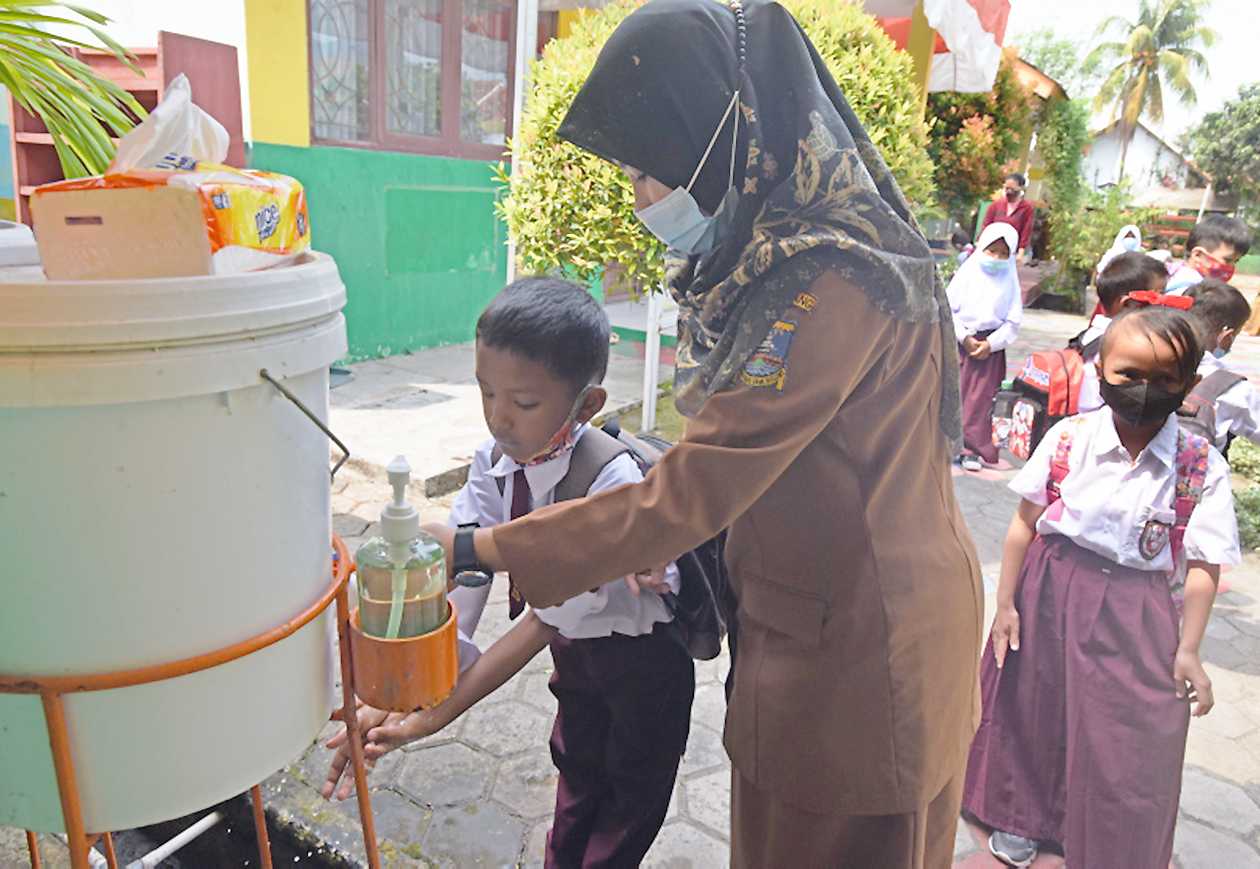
(522, 502)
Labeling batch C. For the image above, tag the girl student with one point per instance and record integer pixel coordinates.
(1089, 676)
(987, 305)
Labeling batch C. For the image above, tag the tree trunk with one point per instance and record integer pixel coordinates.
(1124, 152)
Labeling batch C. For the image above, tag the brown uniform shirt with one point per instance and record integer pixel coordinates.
(860, 597)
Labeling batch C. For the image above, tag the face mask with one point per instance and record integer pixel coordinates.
(677, 219)
(564, 439)
(1140, 403)
(995, 267)
(1012, 195)
(1220, 352)
(1221, 271)
(1130, 244)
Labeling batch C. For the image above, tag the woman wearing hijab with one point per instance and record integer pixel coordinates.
(1128, 239)
(987, 306)
(816, 362)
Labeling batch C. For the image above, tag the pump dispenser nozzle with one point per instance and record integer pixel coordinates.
(400, 523)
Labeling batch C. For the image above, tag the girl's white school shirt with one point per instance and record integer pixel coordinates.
(1090, 397)
(987, 303)
(1237, 409)
(1108, 498)
(609, 608)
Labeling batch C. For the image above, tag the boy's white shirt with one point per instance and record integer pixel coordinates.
(1182, 279)
(609, 608)
(1237, 409)
(1108, 498)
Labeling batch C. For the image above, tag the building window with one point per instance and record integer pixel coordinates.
(428, 76)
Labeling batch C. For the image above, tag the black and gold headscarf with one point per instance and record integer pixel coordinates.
(815, 192)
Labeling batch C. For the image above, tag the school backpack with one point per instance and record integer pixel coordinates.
(1046, 390)
(1198, 413)
(1191, 469)
(705, 602)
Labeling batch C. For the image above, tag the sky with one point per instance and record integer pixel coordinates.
(1232, 60)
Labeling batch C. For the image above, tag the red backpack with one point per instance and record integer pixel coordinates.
(1046, 390)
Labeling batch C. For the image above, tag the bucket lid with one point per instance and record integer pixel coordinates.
(37, 314)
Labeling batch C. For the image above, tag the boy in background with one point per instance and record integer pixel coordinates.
(1218, 313)
(1214, 247)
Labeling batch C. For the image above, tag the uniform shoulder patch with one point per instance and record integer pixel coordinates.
(767, 367)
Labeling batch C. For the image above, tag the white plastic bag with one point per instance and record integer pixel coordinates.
(176, 135)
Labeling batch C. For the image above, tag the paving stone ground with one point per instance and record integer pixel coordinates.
(481, 793)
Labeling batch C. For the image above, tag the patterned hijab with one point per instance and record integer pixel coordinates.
(815, 194)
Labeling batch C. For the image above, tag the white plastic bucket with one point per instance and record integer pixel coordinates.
(159, 500)
(17, 245)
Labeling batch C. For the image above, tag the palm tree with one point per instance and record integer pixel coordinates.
(1159, 50)
(79, 108)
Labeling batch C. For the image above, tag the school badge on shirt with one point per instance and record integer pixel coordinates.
(1153, 539)
(767, 367)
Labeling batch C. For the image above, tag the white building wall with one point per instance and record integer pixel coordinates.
(1146, 164)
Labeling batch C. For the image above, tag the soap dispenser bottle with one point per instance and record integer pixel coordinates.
(402, 573)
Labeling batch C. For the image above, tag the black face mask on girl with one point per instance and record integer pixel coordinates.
(1140, 403)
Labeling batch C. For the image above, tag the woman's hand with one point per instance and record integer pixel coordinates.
(444, 535)
(381, 732)
(1187, 668)
(1005, 633)
(981, 351)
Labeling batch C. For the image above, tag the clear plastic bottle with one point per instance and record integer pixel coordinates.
(402, 573)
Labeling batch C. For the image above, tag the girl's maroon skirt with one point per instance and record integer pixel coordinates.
(980, 382)
(1082, 736)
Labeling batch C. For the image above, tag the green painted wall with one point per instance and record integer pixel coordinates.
(416, 239)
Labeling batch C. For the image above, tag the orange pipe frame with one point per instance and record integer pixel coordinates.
(50, 689)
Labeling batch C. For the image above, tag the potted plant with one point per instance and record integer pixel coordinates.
(39, 67)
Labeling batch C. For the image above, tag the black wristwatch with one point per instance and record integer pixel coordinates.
(468, 572)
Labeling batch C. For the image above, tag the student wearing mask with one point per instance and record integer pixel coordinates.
(987, 307)
(817, 364)
(1214, 247)
(1014, 209)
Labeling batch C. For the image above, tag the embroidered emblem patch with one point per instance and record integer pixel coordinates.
(1153, 540)
(805, 302)
(768, 364)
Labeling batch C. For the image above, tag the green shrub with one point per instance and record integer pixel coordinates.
(1244, 459)
(1247, 506)
(570, 210)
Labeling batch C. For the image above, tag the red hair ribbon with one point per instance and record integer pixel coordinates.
(1150, 297)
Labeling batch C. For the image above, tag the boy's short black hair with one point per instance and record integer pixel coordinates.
(1018, 179)
(1215, 230)
(1217, 306)
(1127, 273)
(1169, 324)
(959, 238)
(551, 321)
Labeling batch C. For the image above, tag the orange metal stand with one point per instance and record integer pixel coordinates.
(52, 688)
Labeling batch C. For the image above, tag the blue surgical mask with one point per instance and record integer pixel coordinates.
(993, 266)
(1129, 243)
(1221, 352)
(677, 219)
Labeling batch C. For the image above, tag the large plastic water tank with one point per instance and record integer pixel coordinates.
(159, 500)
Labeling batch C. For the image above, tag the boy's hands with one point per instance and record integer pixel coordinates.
(382, 732)
(1188, 668)
(648, 580)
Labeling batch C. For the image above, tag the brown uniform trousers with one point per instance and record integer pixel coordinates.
(860, 605)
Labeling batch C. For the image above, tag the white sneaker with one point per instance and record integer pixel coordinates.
(971, 463)
(1011, 849)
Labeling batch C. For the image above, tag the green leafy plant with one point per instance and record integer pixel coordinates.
(79, 108)
(1062, 136)
(1244, 459)
(1082, 238)
(1247, 509)
(571, 211)
(1060, 58)
(1158, 50)
(1226, 145)
(976, 139)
